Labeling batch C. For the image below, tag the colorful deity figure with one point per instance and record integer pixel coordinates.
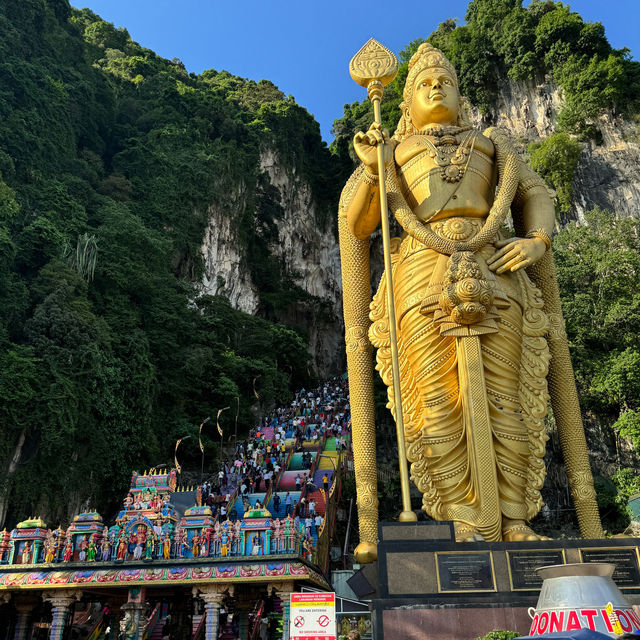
(289, 536)
(68, 551)
(236, 537)
(26, 553)
(122, 547)
(166, 546)
(225, 543)
(137, 551)
(307, 547)
(91, 549)
(128, 501)
(84, 545)
(105, 548)
(204, 545)
(50, 548)
(278, 535)
(217, 532)
(148, 549)
(195, 545)
(256, 544)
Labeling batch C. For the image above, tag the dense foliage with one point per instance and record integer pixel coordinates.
(555, 159)
(599, 278)
(110, 157)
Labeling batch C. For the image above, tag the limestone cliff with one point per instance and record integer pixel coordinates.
(608, 173)
(305, 246)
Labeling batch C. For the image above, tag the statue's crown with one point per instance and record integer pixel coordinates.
(426, 57)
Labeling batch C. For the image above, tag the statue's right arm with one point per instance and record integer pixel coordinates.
(363, 210)
(363, 205)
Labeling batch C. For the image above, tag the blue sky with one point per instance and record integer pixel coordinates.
(304, 47)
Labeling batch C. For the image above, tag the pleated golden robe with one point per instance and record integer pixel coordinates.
(476, 453)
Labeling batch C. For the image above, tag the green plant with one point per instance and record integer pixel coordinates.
(556, 159)
(498, 634)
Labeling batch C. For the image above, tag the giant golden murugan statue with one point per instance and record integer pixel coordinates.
(477, 318)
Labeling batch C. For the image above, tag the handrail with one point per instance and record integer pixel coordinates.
(200, 629)
(255, 629)
(151, 623)
(97, 630)
(321, 552)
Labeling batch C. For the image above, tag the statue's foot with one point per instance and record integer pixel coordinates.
(466, 532)
(518, 531)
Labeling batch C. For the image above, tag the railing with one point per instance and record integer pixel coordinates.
(97, 630)
(151, 623)
(198, 634)
(321, 553)
(257, 617)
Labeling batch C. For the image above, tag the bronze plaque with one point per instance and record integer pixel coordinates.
(626, 574)
(523, 565)
(465, 571)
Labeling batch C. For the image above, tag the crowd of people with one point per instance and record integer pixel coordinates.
(259, 459)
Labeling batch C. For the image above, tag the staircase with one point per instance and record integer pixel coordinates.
(156, 633)
(280, 513)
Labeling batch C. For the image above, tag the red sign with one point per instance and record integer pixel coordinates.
(313, 616)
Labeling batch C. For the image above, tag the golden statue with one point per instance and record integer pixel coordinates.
(479, 334)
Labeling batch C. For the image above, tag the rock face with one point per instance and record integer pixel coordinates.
(225, 271)
(307, 250)
(608, 174)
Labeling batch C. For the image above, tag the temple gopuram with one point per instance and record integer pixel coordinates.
(164, 569)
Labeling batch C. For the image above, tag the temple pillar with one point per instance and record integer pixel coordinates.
(133, 622)
(23, 605)
(284, 590)
(61, 601)
(212, 595)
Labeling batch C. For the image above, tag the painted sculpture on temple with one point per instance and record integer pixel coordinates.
(68, 551)
(105, 547)
(26, 553)
(477, 314)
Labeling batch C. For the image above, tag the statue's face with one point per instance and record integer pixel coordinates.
(435, 99)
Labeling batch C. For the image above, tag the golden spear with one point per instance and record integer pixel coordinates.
(374, 67)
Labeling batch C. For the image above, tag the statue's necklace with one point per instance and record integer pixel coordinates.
(452, 160)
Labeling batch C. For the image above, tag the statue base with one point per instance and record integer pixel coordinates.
(425, 580)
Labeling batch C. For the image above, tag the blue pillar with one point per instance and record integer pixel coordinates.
(61, 602)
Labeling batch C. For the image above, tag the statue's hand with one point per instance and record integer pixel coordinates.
(365, 147)
(516, 253)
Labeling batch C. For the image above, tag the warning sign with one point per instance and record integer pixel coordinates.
(313, 616)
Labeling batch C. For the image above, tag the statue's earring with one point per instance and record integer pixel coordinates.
(407, 121)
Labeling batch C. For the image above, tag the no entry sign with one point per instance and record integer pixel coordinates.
(313, 616)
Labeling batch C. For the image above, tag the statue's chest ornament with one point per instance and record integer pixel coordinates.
(452, 158)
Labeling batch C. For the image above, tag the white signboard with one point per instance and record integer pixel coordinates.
(313, 616)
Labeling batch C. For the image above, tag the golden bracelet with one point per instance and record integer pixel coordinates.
(369, 178)
(542, 234)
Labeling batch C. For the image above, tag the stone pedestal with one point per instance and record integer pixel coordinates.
(61, 602)
(460, 591)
